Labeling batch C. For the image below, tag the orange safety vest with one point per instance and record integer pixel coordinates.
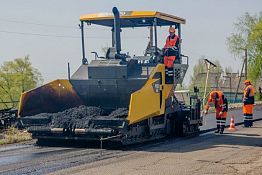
(218, 103)
(252, 91)
(169, 60)
(170, 42)
(250, 98)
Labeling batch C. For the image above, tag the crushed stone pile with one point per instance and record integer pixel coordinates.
(119, 113)
(77, 117)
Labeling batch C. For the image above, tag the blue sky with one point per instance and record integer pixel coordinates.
(48, 31)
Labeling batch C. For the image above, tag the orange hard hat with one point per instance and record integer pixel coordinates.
(172, 29)
(247, 81)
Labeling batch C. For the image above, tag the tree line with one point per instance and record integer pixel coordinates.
(17, 76)
(248, 36)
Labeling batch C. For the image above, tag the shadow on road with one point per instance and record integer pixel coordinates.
(207, 142)
(77, 144)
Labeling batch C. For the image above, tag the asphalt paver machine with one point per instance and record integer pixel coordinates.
(117, 97)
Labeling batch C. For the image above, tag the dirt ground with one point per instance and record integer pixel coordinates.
(233, 153)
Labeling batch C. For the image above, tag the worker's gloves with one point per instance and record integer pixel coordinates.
(245, 100)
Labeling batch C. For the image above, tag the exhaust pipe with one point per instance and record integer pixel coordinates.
(117, 30)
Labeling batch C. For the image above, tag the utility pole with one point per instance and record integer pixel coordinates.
(239, 81)
(245, 62)
(230, 86)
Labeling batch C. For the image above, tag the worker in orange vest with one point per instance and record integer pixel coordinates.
(248, 102)
(171, 51)
(221, 106)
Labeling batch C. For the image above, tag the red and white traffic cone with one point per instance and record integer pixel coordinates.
(232, 124)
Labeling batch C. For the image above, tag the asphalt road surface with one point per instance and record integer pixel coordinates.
(209, 121)
(197, 155)
(235, 153)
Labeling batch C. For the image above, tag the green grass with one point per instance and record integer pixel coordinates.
(13, 135)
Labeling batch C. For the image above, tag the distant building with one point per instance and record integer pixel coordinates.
(213, 80)
(228, 83)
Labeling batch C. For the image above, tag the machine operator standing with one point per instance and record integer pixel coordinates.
(221, 106)
(171, 50)
(248, 102)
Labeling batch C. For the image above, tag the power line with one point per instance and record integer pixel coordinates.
(50, 35)
(49, 25)
(38, 34)
(64, 36)
(38, 24)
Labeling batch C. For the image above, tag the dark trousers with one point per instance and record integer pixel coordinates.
(221, 122)
(248, 120)
(169, 75)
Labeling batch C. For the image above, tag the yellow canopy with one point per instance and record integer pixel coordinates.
(133, 19)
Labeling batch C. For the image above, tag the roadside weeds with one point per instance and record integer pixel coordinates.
(13, 135)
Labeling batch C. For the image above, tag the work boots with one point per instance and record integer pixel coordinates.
(248, 123)
(218, 129)
(222, 130)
